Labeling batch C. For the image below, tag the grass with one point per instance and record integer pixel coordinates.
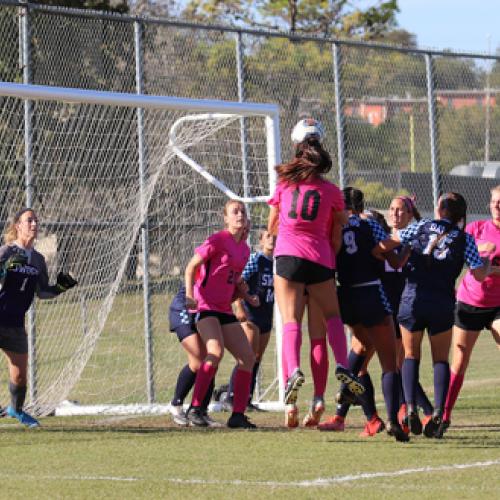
(148, 457)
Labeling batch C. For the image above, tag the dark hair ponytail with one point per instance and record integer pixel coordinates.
(310, 160)
(354, 199)
(453, 207)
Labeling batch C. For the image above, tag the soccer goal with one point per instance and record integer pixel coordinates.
(125, 186)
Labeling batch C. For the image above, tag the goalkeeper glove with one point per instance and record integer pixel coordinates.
(64, 282)
(14, 262)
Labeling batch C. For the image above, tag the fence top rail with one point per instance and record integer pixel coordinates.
(70, 12)
(48, 93)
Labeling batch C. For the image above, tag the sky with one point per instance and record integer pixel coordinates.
(452, 24)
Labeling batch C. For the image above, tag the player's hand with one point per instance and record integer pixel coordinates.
(15, 262)
(253, 300)
(65, 281)
(191, 304)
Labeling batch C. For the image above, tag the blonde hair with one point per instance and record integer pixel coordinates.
(10, 233)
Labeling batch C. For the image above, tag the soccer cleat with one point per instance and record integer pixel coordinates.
(23, 417)
(335, 423)
(395, 430)
(313, 418)
(240, 421)
(178, 415)
(3, 412)
(291, 416)
(443, 427)
(414, 422)
(373, 426)
(403, 418)
(196, 417)
(430, 426)
(353, 384)
(345, 396)
(292, 386)
(436, 430)
(210, 421)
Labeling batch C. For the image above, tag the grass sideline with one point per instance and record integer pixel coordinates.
(148, 457)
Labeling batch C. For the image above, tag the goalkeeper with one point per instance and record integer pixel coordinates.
(23, 272)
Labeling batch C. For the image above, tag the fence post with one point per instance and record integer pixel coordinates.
(25, 53)
(240, 68)
(148, 333)
(433, 129)
(339, 113)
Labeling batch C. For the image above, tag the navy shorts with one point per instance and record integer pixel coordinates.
(432, 312)
(224, 318)
(365, 305)
(474, 318)
(182, 323)
(14, 339)
(262, 320)
(302, 270)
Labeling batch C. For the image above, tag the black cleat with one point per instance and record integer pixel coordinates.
(443, 427)
(345, 396)
(292, 386)
(432, 424)
(352, 382)
(240, 421)
(414, 422)
(196, 417)
(395, 430)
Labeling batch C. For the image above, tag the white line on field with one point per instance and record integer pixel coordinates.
(239, 482)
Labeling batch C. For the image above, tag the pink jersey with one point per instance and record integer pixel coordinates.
(223, 262)
(487, 292)
(306, 218)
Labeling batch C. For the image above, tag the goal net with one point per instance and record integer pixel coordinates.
(125, 188)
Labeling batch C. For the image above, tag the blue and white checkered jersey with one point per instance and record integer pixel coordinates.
(439, 252)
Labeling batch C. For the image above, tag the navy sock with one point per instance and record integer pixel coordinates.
(255, 371)
(367, 399)
(342, 409)
(409, 371)
(185, 382)
(230, 389)
(208, 395)
(423, 401)
(441, 383)
(355, 361)
(17, 396)
(401, 395)
(390, 388)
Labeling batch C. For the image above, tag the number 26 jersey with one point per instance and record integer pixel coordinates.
(305, 219)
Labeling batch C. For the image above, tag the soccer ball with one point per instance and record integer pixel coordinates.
(305, 128)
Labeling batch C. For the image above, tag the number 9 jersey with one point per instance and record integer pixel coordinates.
(305, 219)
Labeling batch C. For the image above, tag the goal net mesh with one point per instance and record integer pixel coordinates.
(86, 188)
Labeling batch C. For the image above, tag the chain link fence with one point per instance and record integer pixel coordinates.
(397, 120)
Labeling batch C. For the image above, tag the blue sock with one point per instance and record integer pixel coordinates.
(409, 371)
(255, 371)
(185, 382)
(367, 399)
(423, 401)
(355, 361)
(342, 409)
(441, 383)
(401, 394)
(390, 388)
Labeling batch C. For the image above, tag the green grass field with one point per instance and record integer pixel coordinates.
(148, 457)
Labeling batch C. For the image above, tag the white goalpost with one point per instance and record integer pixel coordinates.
(125, 186)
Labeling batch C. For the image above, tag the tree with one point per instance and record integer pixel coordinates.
(319, 17)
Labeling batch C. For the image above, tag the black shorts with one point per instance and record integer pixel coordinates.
(224, 318)
(14, 339)
(474, 318)
(431, 312)
(302, 270)
(367, 305)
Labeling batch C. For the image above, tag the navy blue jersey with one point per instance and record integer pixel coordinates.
(439, 251)
(258, 274)
(355, 262)
(393, 281)
(20, 285)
